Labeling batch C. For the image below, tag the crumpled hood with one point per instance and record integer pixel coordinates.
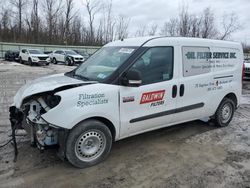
(43, 84)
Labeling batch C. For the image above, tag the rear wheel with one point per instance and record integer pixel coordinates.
(224, 113)
(88, 144)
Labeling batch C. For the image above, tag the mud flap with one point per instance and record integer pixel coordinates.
(62, 139)
(16, 118)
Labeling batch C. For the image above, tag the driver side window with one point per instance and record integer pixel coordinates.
(155, 65)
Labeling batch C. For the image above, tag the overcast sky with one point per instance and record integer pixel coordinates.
(143, 12)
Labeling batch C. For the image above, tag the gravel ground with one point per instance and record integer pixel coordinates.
(194, 154)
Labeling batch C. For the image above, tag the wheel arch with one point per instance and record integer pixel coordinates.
(233, 97)
(106, 121)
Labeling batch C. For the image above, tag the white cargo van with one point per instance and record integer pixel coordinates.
(129, 87)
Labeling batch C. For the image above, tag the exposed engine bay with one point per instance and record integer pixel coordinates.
(42, 133)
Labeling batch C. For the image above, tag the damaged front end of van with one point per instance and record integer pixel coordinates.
(32, 102)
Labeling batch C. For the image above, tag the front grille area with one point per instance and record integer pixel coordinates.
(42, 58)
(78, 58)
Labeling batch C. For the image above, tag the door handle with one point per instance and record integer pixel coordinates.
(182, 89)
(174, 91)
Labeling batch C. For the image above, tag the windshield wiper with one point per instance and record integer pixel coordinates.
(81, 77)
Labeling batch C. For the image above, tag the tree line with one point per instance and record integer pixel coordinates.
(62, 22)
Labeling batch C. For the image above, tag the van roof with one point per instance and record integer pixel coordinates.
(159, 41)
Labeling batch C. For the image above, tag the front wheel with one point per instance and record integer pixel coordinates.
(88, 144)
(224, 113)
(69, 61)
(30, 62)
(20, 60)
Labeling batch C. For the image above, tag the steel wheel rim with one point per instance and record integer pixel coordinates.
(90, 145)
(226, 113)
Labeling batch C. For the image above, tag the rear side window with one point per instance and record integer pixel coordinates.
(155, 65)
(59, 52)
(196, 60)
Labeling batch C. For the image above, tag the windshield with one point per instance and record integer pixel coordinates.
(35, 52)
(103, 63)
(69, 52)
(83, 53)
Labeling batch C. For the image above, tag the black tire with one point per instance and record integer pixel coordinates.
(221, 118)
(47, 64)
(54, 61)
(20, 60)
(77, 146)
(68, 61)
(30, 62)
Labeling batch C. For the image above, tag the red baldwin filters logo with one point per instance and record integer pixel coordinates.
(152, 96)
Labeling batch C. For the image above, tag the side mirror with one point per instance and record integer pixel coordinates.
(131, 78)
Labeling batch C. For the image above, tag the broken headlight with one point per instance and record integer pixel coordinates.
(52, 100)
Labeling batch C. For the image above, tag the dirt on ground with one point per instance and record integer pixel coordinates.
(193, 154)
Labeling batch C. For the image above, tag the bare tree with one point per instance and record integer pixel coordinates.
(208, 26)
(69, 15)
(152, 29)
(196, 23)
(35, 20)
(52, 10)
(19, 6)
(57, 22)
(171, 28)
(122, 27)
(108, 22)
(5, 25)
(184, 22)
(202, 25)
(141, 32)
(92, 8)
(230, 24)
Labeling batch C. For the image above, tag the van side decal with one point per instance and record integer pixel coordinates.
(229, 76)
(164, 113)
(153, 96)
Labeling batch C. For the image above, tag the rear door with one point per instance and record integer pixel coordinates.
(150, 106)
(25, 55)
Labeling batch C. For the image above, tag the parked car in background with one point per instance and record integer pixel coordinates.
(247, 67)
(33, 56)
(48, 52)
(69, 57)
(11, 55)
(82, 53)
